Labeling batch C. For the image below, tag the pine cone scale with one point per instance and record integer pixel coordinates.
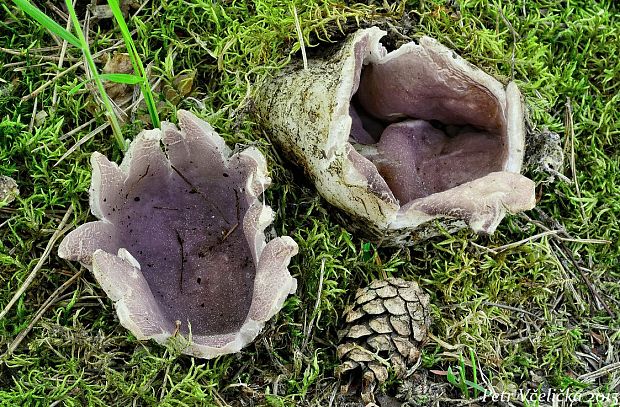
(381, 325)
(374, 307)
(359, 331)
(401, 325)
(395, 306)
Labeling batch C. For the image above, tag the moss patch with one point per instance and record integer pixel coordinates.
(524, 309)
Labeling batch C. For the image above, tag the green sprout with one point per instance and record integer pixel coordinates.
(460, 380)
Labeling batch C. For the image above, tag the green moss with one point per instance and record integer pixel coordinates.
(564, 52)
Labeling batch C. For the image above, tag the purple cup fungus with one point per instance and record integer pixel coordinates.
(402, 142)
(179, 245)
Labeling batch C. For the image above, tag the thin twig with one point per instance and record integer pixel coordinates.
(570, 129)
(81, 141)
(558, 243)
(510, 308)
(520, 242)
(567, 280)
(219, 400)
(569, 255)
(443, 343)
(33, 54)
(300, 37)
(514, 42)
(61, 59)
(561, 231)
(77, 129)
(34, 114)
(230, 231)
(47, 84)
(72, 68)
(60, 230)
(605, 370)
(18, 68)
(48, 303)
(56, 10)
(3, 224)
(316, 306)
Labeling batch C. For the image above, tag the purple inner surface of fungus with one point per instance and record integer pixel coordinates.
(426, 132)
(186, 232)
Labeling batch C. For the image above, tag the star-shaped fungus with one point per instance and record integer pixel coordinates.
(179, 245)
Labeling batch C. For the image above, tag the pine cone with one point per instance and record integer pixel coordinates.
(386, 325)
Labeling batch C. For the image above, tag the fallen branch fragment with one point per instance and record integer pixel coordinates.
(48, 303)
(60, 230)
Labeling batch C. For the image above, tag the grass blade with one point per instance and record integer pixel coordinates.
(135, 61)
(77, 87)
(474, 368)
(477, 388)
(47, 22)
(109, 109)
(463, 376)
(125, 78)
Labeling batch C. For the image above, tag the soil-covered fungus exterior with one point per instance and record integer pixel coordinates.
(400, 140)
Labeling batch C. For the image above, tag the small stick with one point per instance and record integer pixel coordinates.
(558, 243)
(563, 249)
(58, 11)
(48, 303)
(510, 308)
(520, 242)
(605, 370)
(34, 114)
(568, 124)
(561, 230)
(61, 59)
(571, 286)
(300, 37)
(30, 52)
(17, 65)
(60, 230)
(232, 229)
(68, 70)
(41, 88)
(228, 233)
(316, 306)
(80, 127)
(514, 42)
(81, 141)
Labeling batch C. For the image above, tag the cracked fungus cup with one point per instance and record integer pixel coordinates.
(179, 245)
(403, 142)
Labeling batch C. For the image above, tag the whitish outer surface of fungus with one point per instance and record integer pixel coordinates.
(180, 244)
(400, 140)
(8, 190)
